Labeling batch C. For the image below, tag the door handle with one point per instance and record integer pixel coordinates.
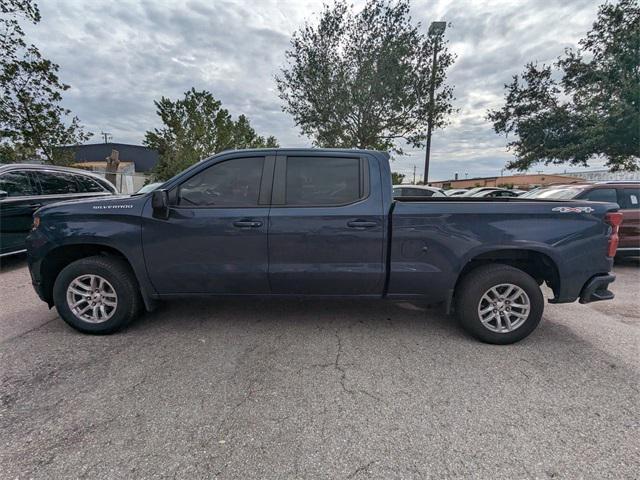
(247, 224)
(35, 205)
(361, 224)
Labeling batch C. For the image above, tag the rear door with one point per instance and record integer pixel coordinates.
(326, 226)
(18, 202)
(215, 239)
(630, 229)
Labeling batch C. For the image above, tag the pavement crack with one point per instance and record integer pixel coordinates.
(361, 469)
(343, 374)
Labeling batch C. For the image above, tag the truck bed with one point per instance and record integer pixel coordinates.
(434, 238)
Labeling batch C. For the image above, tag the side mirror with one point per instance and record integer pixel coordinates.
(3, 194)
(160, 204)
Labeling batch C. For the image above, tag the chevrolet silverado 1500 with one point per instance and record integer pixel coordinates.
(318, 223)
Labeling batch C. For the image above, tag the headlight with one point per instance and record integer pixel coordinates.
(36, 222)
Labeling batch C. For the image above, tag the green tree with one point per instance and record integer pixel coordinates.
(361, 80)
(592, 111)
(197, 127)
(32, 121)
(397, 178)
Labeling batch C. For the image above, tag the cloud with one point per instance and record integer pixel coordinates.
(120, 56)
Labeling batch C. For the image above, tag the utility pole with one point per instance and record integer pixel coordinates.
(414, 174)
(107, 136)
(436, 29)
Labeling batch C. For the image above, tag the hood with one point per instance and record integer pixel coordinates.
(111, 203)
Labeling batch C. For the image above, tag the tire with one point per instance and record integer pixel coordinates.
(117, 295)
(474, 302)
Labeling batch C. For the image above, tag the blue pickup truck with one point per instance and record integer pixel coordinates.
(318, 223)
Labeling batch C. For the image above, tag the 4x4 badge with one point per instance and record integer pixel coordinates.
(573, 209)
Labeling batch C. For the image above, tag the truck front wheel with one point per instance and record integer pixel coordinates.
(97, 295)
(499, 304)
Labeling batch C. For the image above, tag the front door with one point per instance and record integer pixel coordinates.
(326, 229)
(215, 239)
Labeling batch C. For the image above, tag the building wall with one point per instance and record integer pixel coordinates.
(127, 179)
(517, 181)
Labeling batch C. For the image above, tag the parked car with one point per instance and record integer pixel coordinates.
(416, 191)
(324, 223)
(454, 192)
(25, 188)
(473, 191)
(496, 193)
(625, 194)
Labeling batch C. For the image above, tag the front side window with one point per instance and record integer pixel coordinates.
(231, 183)
(16, 184)
(322, 181)
(56, 183)
(502, 194)
(601, 195)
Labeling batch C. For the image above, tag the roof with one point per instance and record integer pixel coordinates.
(38, 166)
(144, 158)
(41, 166)
(294, 150)
(420, 187)
(621, 183)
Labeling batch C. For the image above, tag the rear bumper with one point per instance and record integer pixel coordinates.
(628, 252)
(595, 289)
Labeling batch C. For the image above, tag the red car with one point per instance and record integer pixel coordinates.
(624, 193)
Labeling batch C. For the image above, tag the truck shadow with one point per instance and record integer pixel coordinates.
(295, 313)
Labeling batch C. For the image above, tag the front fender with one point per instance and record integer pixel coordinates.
(114, 231)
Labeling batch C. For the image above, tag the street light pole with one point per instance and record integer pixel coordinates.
(437, 29)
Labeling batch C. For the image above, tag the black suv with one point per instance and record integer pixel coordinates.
(25, 188)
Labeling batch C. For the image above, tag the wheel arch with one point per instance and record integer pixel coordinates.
(58, 258)
(535, 263)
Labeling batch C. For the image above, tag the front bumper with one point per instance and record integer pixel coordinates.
(36, 280)
(595, 290)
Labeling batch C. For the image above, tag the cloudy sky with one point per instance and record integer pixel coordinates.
(120, 55)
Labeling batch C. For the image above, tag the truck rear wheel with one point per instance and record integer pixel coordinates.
(97, 295)
(499, 304)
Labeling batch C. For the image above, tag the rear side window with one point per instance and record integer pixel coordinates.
(232, 183)
(88, 184)
(322, 181)
(601, 195)
(502, 194)
(418, 192)
(631, 198)
(56, 183)
(17, 184)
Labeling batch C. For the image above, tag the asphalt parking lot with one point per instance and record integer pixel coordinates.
(318, 389)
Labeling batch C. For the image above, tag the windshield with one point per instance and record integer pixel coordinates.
(558, 193)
